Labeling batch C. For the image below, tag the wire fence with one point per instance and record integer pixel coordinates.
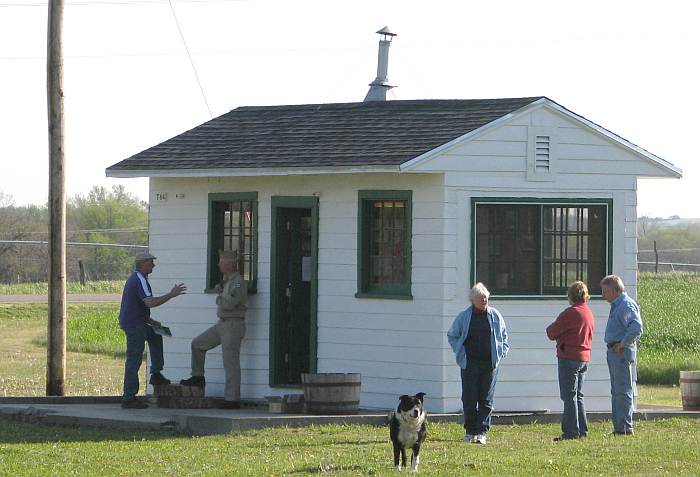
(25, 261)
(669, 260)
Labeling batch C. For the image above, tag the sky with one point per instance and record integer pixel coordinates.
(129, 84)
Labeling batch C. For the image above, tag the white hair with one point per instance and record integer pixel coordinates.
(478, 290)
(613, 282)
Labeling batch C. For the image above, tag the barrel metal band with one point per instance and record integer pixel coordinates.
(333, 403)
(332, 385)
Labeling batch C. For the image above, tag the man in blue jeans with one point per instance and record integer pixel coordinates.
(134, 319)
(621, 333)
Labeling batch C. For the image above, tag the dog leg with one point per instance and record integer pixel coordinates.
(415, 458)
(397, 451)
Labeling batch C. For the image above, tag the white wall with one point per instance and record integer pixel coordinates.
(395, 344)
(494, 165)
(400, 346)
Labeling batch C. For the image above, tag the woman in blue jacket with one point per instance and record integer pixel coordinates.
(479, 339)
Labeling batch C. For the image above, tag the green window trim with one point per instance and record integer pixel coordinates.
(394, 291)
(213, 231)
(608, 203)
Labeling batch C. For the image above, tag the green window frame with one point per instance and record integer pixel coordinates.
(229, 229)
(384, 244)
(549, 242)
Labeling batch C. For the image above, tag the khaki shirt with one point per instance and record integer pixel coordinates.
(232, 299)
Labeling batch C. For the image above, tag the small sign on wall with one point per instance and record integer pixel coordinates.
(161, 196)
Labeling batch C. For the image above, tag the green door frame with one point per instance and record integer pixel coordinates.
(293, 202)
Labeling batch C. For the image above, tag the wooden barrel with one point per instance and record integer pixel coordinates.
(331, 393)
(690, 390)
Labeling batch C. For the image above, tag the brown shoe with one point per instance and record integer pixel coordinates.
(230, 405)
(134, 404)
(195, 381)
(628, 432)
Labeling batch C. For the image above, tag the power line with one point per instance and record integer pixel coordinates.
(116, 2)
(74, 244)
(190, 57)
(121, 230)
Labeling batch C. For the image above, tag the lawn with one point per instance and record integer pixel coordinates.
(658, 448)
(670, 306)
(23, 363)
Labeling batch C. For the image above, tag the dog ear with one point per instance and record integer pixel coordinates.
(420, 396)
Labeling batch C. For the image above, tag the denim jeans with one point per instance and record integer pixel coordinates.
(621, 367)
(571, 376)
(136, 339)
(478, 385)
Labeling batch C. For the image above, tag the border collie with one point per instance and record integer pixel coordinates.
(407, 429)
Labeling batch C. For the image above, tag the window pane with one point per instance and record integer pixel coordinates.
(574, 248)
(234, 229)
(387, 242)
(507, 255)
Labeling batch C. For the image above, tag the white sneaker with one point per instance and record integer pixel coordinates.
(469, 438)
(480, 439)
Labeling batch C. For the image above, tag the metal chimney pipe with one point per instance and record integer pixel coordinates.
(380, 86)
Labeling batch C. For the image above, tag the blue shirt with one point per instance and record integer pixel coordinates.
(133, 311)
(624, 321)
(458, 332)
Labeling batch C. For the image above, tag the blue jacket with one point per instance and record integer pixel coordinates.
(459, 330)
(624, 322)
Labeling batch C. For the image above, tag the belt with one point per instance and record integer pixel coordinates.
(610, 345)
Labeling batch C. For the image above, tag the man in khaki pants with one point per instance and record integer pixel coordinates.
(227, 332)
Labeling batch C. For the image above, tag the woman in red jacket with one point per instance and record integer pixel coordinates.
(573, 332)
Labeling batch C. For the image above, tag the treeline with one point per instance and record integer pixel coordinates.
(677, 241)
(102, 216)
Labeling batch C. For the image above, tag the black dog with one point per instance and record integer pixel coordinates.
(407, 429)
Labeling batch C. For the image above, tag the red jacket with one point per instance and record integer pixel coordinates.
(573, 332)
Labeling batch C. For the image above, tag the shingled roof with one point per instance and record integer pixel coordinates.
(377, 133)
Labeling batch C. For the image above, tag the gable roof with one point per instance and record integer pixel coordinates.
(346, 137)
(544, 102)
(376, 133)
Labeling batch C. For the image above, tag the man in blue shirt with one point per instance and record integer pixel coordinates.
(134, 319)
(621, 333)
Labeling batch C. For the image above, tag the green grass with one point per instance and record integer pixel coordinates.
(670, 306)
(658, 448)
(91, 328)
(41, 288)
(23, 362)
(659, 394)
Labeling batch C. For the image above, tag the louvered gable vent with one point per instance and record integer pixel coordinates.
(542, 153)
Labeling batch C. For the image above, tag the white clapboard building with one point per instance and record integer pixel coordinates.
(362, 226)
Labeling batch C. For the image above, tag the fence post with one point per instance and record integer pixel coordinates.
(82, 272)
(656, 259)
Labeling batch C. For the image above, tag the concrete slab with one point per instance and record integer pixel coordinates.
(221, 421)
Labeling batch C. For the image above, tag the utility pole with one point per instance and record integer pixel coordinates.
(56, 349)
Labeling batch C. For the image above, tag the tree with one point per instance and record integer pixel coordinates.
(104, 216)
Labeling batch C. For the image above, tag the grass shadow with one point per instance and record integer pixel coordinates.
(17, 432)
